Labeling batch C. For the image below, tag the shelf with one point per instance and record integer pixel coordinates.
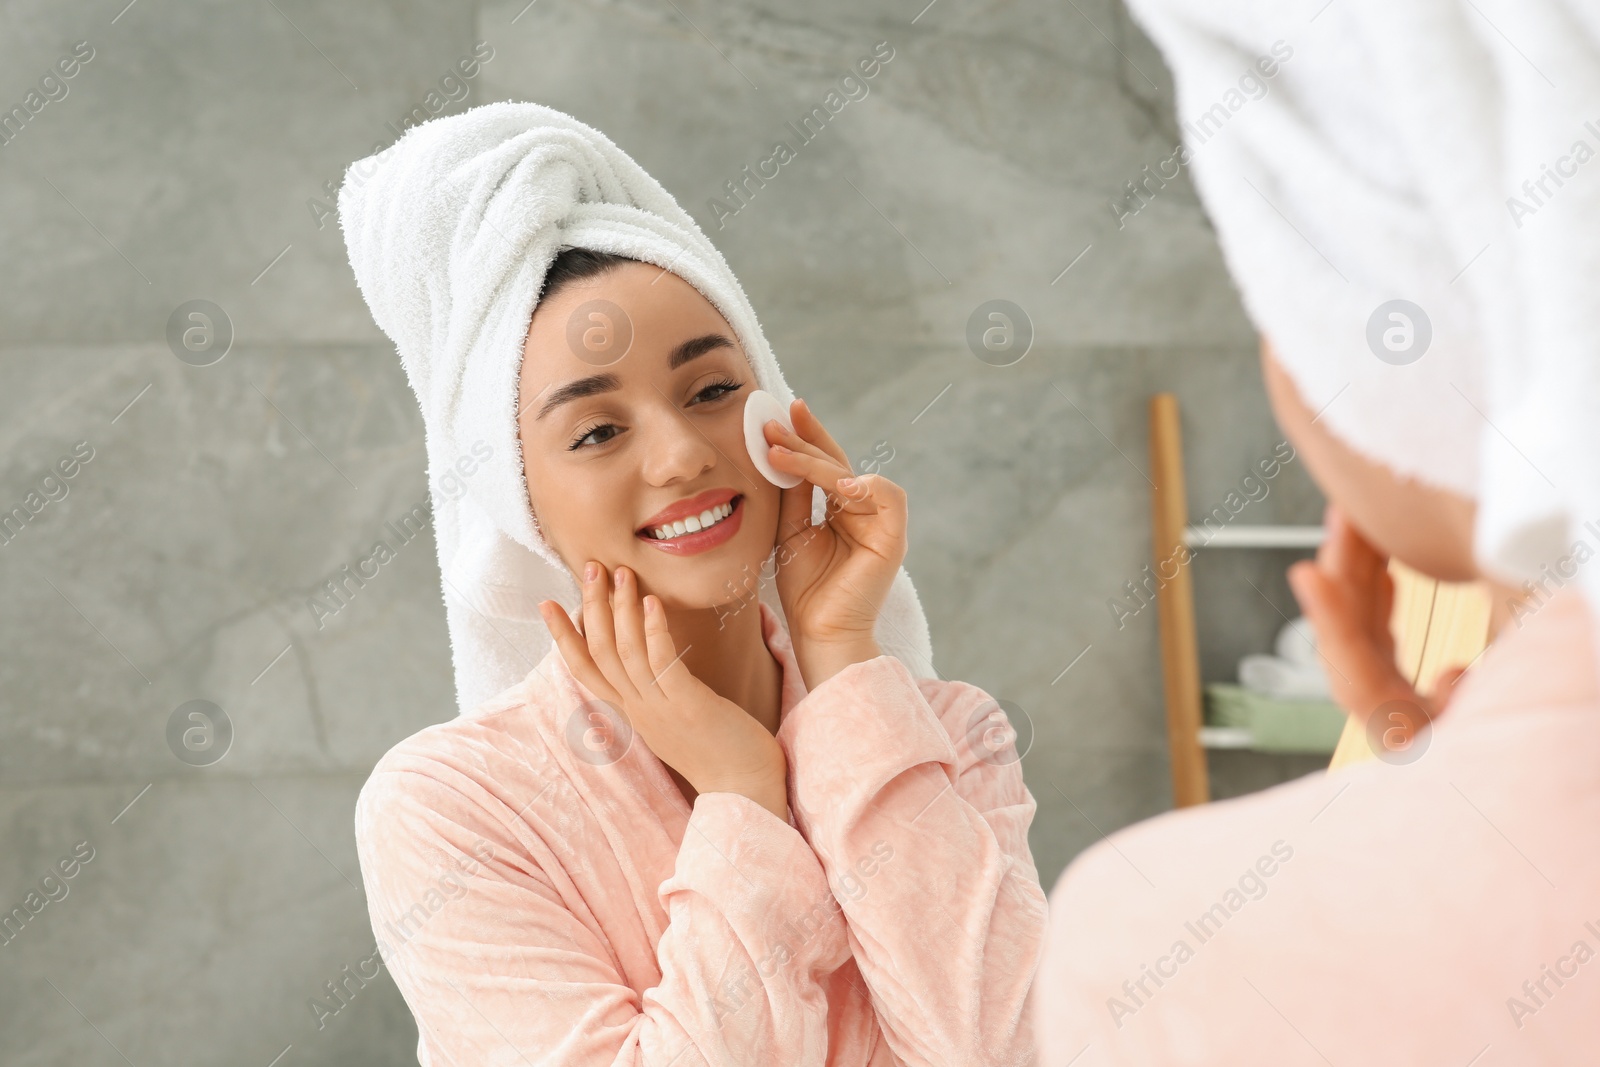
(1253, 537)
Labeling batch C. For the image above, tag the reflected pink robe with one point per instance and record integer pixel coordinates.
(534, 906)
(1427, 913)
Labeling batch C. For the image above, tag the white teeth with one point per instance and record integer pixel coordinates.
(694, 523)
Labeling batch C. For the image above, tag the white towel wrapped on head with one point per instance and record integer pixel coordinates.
(450, 231)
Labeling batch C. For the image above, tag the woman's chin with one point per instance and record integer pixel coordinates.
(686, 584)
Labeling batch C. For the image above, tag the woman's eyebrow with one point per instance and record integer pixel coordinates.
(696, 347)
(579, 388)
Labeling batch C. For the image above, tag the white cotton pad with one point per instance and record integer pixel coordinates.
(758, 408)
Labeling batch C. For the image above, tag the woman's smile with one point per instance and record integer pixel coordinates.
(652, 451)
(695, 525)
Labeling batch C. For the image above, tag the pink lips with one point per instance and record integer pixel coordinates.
(694, 505)
(690, 544)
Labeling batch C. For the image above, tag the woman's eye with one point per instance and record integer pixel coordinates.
(597, 435)
(716, 390)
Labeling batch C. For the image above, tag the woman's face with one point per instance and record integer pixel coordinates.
(615, 448)
(1426, 528)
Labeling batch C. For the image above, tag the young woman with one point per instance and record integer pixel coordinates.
(693, 834)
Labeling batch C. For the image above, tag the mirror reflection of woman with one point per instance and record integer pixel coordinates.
(700, 829)
(1430, 354)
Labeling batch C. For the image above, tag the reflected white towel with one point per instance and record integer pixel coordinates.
(450, 231)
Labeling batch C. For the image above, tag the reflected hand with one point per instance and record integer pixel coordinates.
(833, 576)
(1348, 596)
(626, 657)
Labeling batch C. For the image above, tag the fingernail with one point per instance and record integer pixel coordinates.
(650, 605)
(847, 483)
(780, 448)
(617, 577)
(591, 571)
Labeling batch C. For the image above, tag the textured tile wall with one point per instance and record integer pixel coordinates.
(188, 161)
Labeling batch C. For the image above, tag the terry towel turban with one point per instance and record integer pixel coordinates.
(1442, 153)
(450, 231)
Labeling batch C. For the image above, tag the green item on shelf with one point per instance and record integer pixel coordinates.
(1275, 725)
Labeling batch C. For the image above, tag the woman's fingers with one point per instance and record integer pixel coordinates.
(599, 630)
(1361, 669)
(807, 437)
(794, 504)
(630, 633)
(1350, 559)
(873, 516)
(818, 470)
(810, 464)
(666, 667)
(810, 452)
(1382, 610)
(575, 651)
(874, 494)
(811, 430)
(1364, 569)
(782, 441)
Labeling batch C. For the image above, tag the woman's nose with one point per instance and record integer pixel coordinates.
(676, 449)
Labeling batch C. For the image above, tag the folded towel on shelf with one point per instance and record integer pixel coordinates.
(1305, 726)
(1279, 679)
(1294, 672)
(1297, 643)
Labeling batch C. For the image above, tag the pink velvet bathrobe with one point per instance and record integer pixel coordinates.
(1441, 912)
(537, 905)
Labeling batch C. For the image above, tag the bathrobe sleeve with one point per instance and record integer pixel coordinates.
(911, 794)
(502, 962)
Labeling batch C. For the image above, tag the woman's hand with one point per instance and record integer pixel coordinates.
(833, 577)
(1348, 595)
(626, 657)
